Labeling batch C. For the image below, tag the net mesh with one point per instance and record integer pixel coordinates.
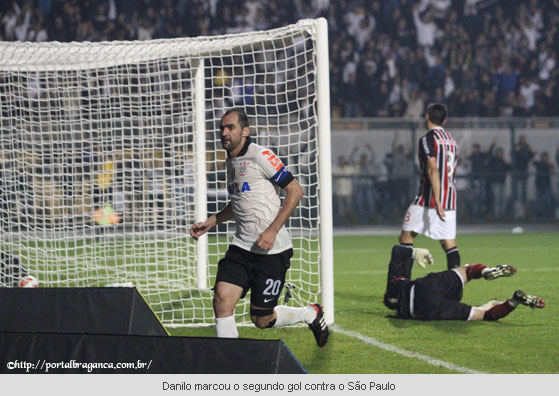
(97, 159)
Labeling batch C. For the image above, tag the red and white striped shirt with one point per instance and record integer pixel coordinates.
(440, 144)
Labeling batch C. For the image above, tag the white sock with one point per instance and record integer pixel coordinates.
(287, 316)
(226, 327)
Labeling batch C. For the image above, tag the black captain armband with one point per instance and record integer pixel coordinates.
(282, 178)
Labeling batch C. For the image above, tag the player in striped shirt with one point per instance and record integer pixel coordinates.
(433, 211)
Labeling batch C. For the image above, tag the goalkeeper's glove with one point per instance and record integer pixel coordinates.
(422, 256)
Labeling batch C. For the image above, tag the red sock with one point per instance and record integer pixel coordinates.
(498, 311)
(473, 271)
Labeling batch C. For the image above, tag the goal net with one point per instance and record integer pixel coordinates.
(110, 151)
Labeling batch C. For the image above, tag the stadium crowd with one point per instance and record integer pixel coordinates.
(388, 58)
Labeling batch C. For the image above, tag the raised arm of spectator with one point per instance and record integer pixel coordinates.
(416, 18)
(395, 141)
(371, 153)
(492, 147)
(353, 155)
(22, 29)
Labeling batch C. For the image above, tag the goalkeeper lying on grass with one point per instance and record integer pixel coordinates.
(437, 296)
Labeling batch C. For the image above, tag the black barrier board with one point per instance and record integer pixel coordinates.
(88, 310)
(39, 353)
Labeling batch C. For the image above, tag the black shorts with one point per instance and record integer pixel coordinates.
(438, 295)
(263, 274)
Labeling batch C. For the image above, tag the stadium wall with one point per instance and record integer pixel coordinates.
(351, 138)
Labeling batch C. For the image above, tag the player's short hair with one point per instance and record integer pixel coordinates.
(241, 116)
(436, 112)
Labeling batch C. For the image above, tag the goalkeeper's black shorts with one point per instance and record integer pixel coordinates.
(437, 297)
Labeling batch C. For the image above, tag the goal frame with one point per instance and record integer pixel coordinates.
(324, 164)
(204, 47)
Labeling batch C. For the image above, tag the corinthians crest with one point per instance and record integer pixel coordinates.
(243, 168)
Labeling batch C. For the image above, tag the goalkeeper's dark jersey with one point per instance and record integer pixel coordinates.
(435, 296)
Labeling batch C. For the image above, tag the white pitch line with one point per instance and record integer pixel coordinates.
(403, 352)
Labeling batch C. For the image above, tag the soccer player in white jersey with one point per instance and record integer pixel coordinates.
(433, 211)
(260, 252)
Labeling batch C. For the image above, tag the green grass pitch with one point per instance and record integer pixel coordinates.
(523, 342)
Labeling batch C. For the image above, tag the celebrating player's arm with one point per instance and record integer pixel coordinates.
(200, 228)
(294, 193)
(435, 180)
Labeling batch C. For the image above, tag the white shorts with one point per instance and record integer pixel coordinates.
(425, 221)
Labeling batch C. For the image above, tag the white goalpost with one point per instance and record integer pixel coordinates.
(110, 151)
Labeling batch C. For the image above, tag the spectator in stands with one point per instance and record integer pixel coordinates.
(507, 81)
(544, 102)
(497, 168)
(37, 33)
(478, 181)
(489, 107)
(381, 105)
(365, 198)
(527, 95)
(396, 98)
(438, 96)
(415, 70)
(437, 73)
(9, 20)
(416, 105)
(400, 172)
(449, 85)
(510, 106)
(364, 32)
(343, 174)
(425, 27)
(350, 91)
(404, 34)
(22, 24)
(521, 155)
(472, 20)
(545, 201)
(548, 65)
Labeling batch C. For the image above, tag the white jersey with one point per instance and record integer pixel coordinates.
(254, 179)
